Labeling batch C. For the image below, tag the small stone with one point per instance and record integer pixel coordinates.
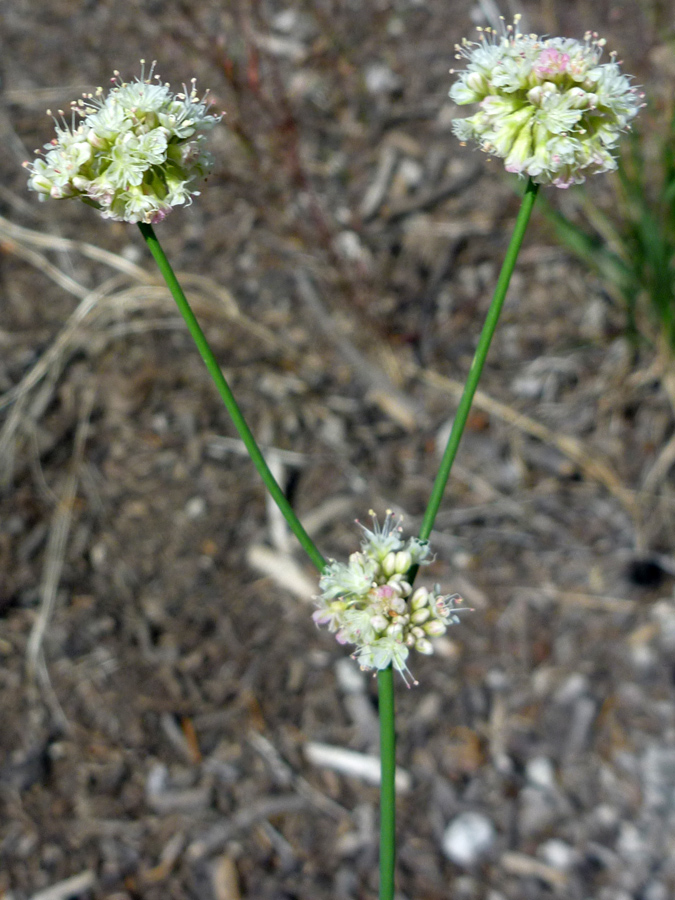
(380, 79)
(351, 248)
(468, 837)
(540, 772)
(558, 854)
(663, 613)
(497, 680)
(605, 816)
(631, 844)
(644, 658)
(572, 688)
(98, 555)
(538, 811)
(411, 173)
(655, 890)
(286, 21)
(195, 508)
(658, 778)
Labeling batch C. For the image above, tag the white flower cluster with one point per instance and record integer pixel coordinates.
(368, 602)
(547, 105)
(136, 153)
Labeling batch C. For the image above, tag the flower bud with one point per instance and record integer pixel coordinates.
(420, 616)
(435, 628)
(579, 99)
(539, 92)
(424, 646)
(403, 561)
(379, 623)
(96, 141)
(420, 598)
(389, 564)
(398, 604)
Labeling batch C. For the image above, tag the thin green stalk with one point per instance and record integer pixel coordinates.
(385, 686)
(228, 399)
(479, 360)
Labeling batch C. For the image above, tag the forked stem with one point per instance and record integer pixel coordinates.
(385, 677)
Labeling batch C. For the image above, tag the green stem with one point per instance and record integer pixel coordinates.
(479, 360)
(385, 685)
(228, 399)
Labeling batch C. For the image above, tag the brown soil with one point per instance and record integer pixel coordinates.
(154, 741)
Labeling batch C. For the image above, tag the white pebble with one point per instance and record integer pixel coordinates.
(572, 688)
(195, 508)
(468, 837)
(557, 854)
(540, 772)
(380, 79)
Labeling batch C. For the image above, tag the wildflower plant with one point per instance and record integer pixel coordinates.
(548, 108)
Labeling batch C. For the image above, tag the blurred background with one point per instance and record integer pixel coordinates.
(162, 685)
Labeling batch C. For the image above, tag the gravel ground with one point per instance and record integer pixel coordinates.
(170, 714)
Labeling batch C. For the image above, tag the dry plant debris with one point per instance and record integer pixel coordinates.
(340, 260)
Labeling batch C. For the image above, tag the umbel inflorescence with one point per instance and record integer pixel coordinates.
(548, 107)
(369, 602)
(133, 153)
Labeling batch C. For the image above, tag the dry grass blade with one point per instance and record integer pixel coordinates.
(665, 371)
(56, 550)
(18, 234)
(71, 887)
(18, 240)
(283, 569)
(39, 261)
(243, 819)
(573, 449)
(206, 290)
(95, 321)
(659, 471)
(49, 367)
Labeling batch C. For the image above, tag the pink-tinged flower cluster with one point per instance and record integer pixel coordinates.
(370, 603)
(134, 154)
(551, 62)
(547, 106)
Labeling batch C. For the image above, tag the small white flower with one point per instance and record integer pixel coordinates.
(135, 154)
(548, 108)
(384, 652)
(353, 580)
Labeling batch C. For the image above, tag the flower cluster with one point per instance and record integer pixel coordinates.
(547, 105)
(369, 602)
(134, 153)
